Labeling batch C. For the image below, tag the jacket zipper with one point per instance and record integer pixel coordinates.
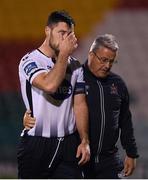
(56, 151)
(102, 121)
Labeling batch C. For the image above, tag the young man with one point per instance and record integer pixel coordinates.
(53, 89)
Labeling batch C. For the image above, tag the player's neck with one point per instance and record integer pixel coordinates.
(47, 50)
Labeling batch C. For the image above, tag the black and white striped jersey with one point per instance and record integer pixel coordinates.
(53, 112)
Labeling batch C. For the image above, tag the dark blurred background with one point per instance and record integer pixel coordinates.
(22, 29)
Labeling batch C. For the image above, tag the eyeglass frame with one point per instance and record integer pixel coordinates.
(105, 61)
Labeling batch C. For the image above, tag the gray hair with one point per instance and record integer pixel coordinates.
(106, 40)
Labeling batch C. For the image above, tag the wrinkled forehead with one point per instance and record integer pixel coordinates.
(106, 52)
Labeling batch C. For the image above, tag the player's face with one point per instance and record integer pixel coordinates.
(57, 33)
(101, 61)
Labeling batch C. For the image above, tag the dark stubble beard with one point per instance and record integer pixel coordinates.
(53, 46)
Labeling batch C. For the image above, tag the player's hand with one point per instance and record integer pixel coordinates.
(68, 44)
(83, 151)
(129, 165)
(28, 121)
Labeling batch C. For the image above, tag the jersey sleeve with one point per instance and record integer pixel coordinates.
(80, 84)
(31, 68)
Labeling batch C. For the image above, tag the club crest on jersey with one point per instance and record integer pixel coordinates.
(114, 89)
(29, 67)
(64, 91)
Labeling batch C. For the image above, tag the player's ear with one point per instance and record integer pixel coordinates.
(47, 30)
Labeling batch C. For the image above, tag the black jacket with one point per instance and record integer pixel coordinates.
(109, 115)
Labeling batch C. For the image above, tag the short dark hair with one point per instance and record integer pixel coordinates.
(60, 16)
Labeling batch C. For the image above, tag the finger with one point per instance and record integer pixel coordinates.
(72, 37)
(126, 170)
(125, 167)
(71, 34)
(31, 122)
(27, 114)
(31, 119)
(28, 111)
(78, 153)
(30, 125)
(129, 171)
(76, 45)
(82, 160)
(85, 158)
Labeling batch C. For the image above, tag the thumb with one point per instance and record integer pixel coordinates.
(125, 168)
(28, 112)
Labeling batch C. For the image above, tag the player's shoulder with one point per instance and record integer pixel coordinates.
(75, 63)
(31, 58)
(28, 61)
(29, 55)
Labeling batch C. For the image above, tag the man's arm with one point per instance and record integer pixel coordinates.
(127, 135)
(81, 113)
(50, 81)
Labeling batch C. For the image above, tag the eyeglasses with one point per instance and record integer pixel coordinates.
(104, 60)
